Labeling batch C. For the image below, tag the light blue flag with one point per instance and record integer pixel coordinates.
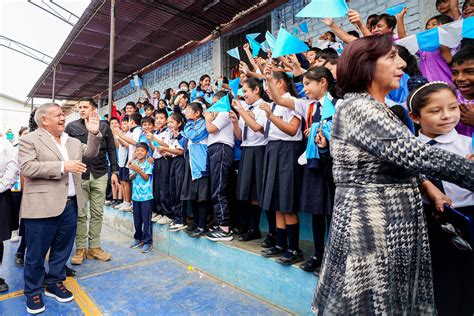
(288, 44)
(136, 82)
(234, 85)
(304, 27)
(396, 9)
(252, 35)
(328, 109)
(254, 45)
(234, 52)
(428, 41)
(266, 48)
(270, 39)
(295, 31)
(223, 105)
(468, 27)
(324, 9)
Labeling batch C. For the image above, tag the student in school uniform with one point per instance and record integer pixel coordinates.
(161, 171)
(250, 129)
(196, 186)
(317, 189)
(220, 145)
(281, 171)
(204, 89)
(434, 107)
(135, 131)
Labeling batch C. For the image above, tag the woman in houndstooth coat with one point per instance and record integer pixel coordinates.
(378, 257)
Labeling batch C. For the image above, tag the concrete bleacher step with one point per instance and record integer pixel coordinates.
(237, 263)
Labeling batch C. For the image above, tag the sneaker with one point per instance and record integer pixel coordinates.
(312, 264)
(3, 285)
(191, 228)
(19, 261)
(250, 235)
(147, 248)
(115, 203)
(198, 232)
(70, 272)
(107, 202)
(127, 207)
(59, 292)
(239, 230)
(98, 254)
(136, 244)
(79, 257)
(220, 235)
(156, 218)
(176, 227)
(273, 252)
(290, 257)
(15, 237)
(34, 304)
(164, 220)
(120, 205)
(269, 241)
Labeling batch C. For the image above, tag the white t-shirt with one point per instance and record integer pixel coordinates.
(174, 144)
(254, 139)
(135, 135)
(225, 135)
(287, 115)
(122, 154)
(164, 136)
(462, 146)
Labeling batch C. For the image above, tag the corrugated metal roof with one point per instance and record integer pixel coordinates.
(146, 30)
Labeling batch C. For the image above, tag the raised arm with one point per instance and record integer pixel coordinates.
(454, 7)
(372, 129)
(290, 128)
(401, 23)
(343, 35)
(249, 120)
(276, 96)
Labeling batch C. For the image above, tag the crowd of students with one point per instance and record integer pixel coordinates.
(272, 151)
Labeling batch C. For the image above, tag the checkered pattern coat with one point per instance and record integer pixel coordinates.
(378, 257)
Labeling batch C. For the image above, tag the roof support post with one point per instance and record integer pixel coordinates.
(111, 55)
(53, 93)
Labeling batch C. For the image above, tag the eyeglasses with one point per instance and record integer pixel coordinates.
(457, 238)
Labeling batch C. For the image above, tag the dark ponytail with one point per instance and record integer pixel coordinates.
(318, 73)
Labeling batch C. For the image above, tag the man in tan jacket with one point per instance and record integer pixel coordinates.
(50, 161)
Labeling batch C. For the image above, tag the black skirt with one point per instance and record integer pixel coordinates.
(317, 191)
(197, 190)
(6, 204)
(281, 177)
(250, 175)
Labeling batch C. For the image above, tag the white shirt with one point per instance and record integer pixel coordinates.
(122, 155)
(254, 139)
(225, 135)
(164, 136)
(8, 165)
(71, 189)
(174, 144)
(302, 105)
(286, 115)
(462, 146)
(135, 135)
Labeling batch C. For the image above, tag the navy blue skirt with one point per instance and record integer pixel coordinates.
(198, 190)
(282, 176)
(250, 175)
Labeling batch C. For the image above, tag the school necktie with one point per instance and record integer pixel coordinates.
(246, 127)
(267, 126)
(437, 182)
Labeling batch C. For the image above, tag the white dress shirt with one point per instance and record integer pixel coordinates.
(8, 165)
(71, 189)
(462, 146)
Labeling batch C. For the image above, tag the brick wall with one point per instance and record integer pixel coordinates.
(188, 67)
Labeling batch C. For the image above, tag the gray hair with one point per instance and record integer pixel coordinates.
(43, 111)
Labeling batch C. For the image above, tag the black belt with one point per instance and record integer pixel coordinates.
(71, 198)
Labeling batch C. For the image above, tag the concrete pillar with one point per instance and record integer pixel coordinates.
(217, 56)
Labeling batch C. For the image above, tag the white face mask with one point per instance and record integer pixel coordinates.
(183, 89)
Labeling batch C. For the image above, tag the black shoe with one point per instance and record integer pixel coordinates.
(34, 304)
(198, 232)
(273, 252)
(290, 257)
(269, 242)
(239, 230)
(191, 228)
(311, 264)
(19, 261)
(3, 285)
(59, 292)
(70, 272)
(250, 235)
(219, 234)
